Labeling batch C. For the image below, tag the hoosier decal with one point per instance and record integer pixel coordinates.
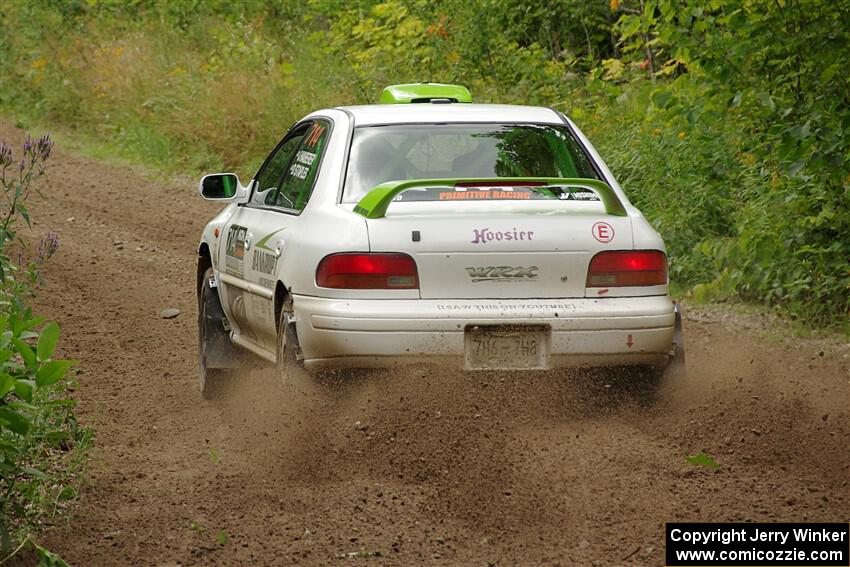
(484, 235)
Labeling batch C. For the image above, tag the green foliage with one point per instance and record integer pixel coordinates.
(703, 460)
(41, 444)
(727, 121)
(679, 175)
(780, 73)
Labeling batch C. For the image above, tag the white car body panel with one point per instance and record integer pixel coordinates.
(366, 333)
(345, 328)
(445, 113)
(555, 238)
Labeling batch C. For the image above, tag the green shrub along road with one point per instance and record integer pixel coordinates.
(42, 447)
(728, 121)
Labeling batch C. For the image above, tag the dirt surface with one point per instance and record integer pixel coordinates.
(431, 467)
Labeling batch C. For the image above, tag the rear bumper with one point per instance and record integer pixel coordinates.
(361, 333)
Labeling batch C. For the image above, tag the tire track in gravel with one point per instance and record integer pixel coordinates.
(430, 467)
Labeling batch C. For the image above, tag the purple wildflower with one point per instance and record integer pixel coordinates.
(47, 247)
(37, 151)
(43, 146)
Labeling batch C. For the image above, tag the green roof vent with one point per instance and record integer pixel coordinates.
(424, 92)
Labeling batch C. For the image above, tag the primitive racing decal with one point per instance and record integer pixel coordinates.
(496, 194)
(484, 195)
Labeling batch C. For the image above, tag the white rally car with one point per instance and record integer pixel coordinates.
(430, 229)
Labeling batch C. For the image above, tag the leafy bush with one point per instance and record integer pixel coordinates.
(41, 443)
(779, 75)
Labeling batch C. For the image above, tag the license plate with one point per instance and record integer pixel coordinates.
(505, 347)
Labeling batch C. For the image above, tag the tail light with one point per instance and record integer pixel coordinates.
(627, 268)
(367, 271)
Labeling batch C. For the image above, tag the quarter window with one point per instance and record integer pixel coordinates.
(300, 176)
(286, 179)
(271, 173)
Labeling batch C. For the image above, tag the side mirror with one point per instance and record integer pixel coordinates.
(221, 187)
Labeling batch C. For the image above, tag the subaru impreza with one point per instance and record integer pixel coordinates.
(427, 228)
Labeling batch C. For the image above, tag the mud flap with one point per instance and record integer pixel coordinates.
(676, 366)
(678, 335)
(292, 337)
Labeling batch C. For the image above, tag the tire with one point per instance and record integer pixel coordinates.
(211, 335)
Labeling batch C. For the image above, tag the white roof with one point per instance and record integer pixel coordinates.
(453, 112)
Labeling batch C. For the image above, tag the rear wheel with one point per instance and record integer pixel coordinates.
(212, 339)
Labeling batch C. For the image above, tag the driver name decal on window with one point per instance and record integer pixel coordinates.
(303, 162)
(303, 169)
(299, 171)
(305, 157)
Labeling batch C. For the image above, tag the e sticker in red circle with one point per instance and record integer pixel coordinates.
(603, 232)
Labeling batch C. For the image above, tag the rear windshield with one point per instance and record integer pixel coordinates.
(467, 151)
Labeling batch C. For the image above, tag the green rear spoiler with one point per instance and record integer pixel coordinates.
(374, 204)
(424, 92)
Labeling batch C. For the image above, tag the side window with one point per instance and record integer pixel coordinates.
(298, 179)
(270, 174)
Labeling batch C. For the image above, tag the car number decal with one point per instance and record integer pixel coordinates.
(235, 250)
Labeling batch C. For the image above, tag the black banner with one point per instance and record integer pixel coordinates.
(758, 545)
